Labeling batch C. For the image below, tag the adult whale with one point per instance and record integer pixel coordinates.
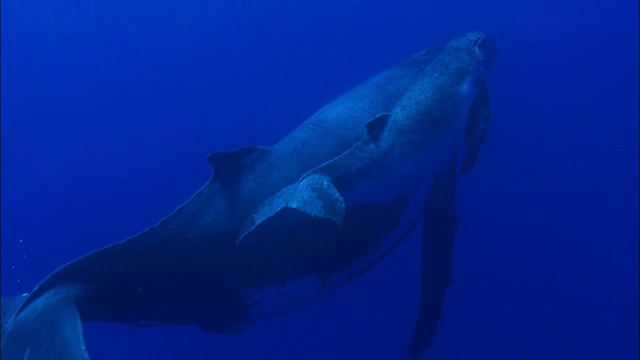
(276, 228)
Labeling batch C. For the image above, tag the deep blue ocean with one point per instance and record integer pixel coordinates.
(109, 109)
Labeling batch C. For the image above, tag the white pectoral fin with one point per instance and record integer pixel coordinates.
(314, 196)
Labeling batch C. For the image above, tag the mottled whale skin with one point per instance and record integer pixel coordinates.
(239, 250)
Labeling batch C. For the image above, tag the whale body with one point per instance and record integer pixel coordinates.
(278, 228)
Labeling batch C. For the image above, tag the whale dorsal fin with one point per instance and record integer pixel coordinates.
(228, 166)
(376, 127)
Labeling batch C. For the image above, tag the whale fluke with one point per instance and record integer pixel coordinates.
(49, 328)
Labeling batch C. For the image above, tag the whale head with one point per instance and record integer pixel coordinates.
(483, 47)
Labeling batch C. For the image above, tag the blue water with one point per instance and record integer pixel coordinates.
(110, 107)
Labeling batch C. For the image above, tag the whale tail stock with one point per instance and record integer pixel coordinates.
(49, 327)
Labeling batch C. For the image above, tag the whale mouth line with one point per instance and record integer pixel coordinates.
(477, 46)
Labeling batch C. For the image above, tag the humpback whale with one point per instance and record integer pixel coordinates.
(278, 228)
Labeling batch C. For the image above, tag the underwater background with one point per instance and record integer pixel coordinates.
(109, 109)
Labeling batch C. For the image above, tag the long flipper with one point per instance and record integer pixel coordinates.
(479, 117)
(440, 223)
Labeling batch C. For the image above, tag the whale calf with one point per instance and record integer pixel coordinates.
(281, 227)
